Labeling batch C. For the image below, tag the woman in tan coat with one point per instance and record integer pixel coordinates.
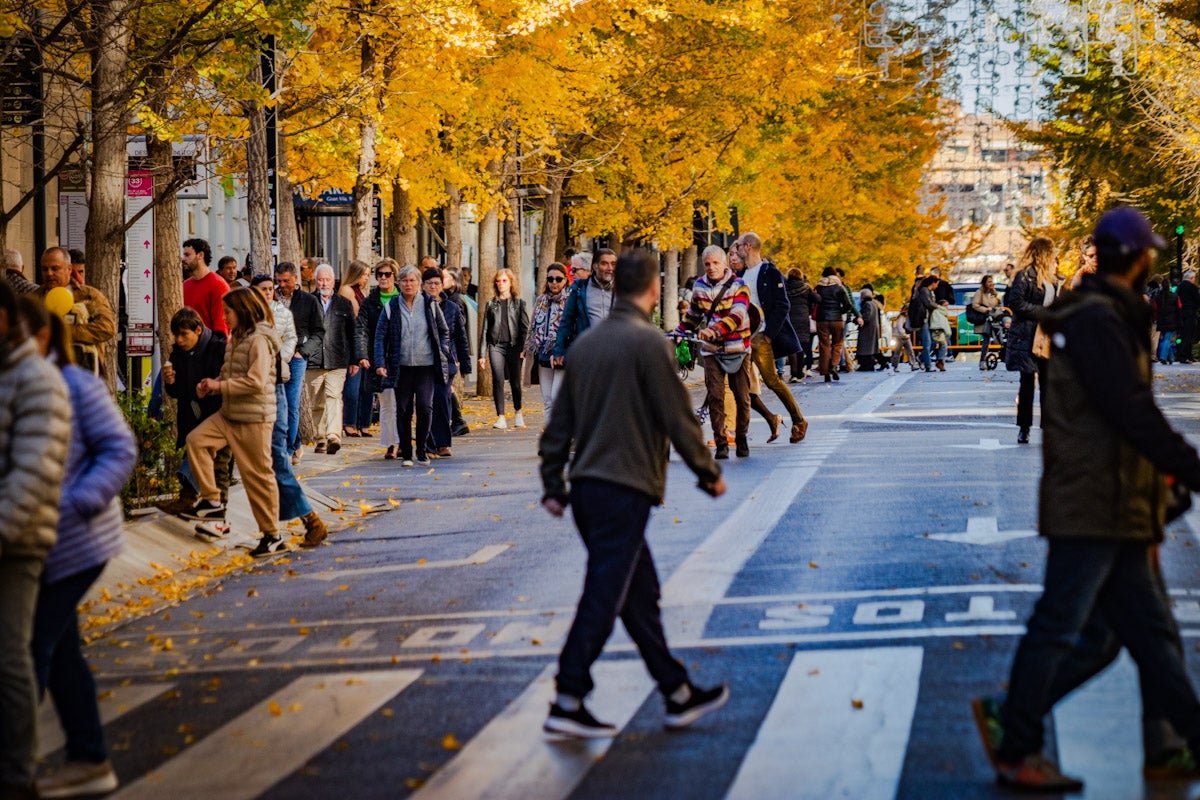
(247, 389)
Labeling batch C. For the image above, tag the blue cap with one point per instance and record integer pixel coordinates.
(1128, 230)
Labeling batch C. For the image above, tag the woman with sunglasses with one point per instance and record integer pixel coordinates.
(547, 315)
(502, 345)
(369, 312)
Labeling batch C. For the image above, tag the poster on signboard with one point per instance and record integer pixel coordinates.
(139, 263)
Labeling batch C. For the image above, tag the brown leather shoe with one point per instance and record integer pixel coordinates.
(444, 452)
(314, 530)
(799, 431)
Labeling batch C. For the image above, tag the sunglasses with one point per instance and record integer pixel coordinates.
(555, 280)
(385, 274)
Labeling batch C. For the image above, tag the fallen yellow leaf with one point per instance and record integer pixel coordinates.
(451, 742)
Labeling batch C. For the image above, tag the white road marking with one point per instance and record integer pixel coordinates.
(838, 727)
(481, 556)
(512, 757)
(981, 531)
(986, 444)
(706, 574)
(1099, 733)
(252, 753)
(113, 704)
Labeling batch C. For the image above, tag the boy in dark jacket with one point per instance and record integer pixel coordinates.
(199, 353)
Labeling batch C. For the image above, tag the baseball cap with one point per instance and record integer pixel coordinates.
(1128, 230)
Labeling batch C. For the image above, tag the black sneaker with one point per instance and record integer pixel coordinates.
(702, 701)
(205, 510)
(268, 546)
(333, 446)
(579, 724)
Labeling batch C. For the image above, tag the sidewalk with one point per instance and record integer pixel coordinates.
(163, 563)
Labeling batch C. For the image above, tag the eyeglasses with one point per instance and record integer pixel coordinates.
(385, 274)
(555, 280)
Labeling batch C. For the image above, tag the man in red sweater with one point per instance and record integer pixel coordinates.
(204, 289)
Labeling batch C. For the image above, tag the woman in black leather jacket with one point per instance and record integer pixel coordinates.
(502, 345)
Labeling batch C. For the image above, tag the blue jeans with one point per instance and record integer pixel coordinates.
(621, 581)
(61, 668)
(1086, 580)
(1166, 346)
(356, 401)
(926, 347)
(292, 502)
(295, 390)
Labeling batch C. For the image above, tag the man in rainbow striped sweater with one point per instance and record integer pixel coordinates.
(719, 312)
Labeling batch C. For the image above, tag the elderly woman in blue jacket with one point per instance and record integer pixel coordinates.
(100, 459)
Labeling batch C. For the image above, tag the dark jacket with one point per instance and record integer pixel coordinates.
(832, 301)
(1026, 301)
(1106, 445)
(803, 300)
(337, 345)
(1189, 298)
(651, 412)
(518, 324)
(575, 319)
(1168, 310)
(944, 293)
(460, 346)
(390, 329)
(364, 334)
(772, 296)
(310, 323)
(203, 361)
(919, 306)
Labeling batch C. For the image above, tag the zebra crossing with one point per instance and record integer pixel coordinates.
(834, 723)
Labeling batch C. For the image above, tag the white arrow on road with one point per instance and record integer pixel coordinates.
(985, 444)
(983, 531)
(480, 556)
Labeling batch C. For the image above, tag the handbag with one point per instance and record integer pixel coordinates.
(1041, 343)
(975, 316)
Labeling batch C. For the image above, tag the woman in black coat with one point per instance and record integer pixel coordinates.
(1034, 288)
(803, 299)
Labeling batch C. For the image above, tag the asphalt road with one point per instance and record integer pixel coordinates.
(856, 590)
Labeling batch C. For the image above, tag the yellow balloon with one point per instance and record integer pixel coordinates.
(60, 301)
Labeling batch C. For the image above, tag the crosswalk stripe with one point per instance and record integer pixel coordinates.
(113, 704)
(512, 757)
(273, 739)
(838, 727)
(1099, 734)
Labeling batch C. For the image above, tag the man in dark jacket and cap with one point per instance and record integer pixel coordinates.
(1109, 456)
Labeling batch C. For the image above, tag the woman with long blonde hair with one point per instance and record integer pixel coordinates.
(1035, 287)
(502, 345)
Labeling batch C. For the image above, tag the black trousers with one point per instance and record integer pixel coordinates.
(505, 361)
(621, 581)
(414, 391)
(1029, 381)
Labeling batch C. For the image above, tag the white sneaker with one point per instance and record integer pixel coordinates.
(77, 779)
(519, 420)
(500, 424)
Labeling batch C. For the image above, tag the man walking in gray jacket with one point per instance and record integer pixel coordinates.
(621, 441)
(35, 428)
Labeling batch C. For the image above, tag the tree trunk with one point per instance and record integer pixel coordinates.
(403, 234)
(168, 283)
(257, 182)
(512, 236)
(670, 292)
(691, 262)
(362, 232)
(489, 232)
(453, 219)
(285, 224)
(109, 55)
(551, 219)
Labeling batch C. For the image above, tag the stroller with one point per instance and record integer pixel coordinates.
(999, 318)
